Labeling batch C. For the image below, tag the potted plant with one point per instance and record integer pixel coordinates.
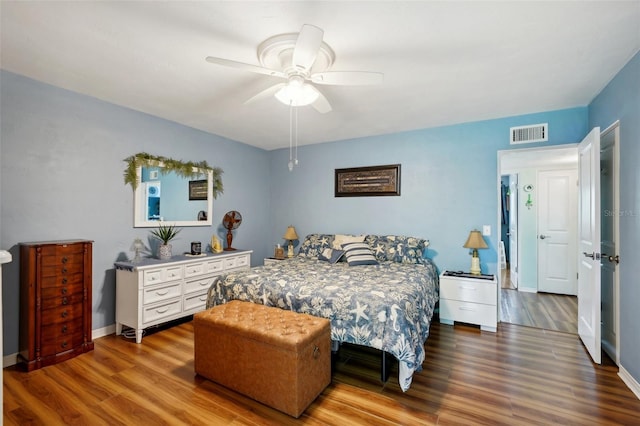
(165, 233)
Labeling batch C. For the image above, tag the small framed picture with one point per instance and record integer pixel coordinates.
(198, 190)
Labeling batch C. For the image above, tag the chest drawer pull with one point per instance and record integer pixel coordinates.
(64, 270)
(65, 259)
(64, 290)
(162, 293)
(64, 328)
(466, 287)
(65, 301)
(64, 314)
(162, 310)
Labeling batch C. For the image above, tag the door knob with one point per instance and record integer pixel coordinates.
(614, 259)
(591, 255)
(542, 237)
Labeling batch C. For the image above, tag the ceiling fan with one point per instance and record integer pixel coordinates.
(301, 59)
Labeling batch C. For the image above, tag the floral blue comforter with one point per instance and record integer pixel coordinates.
(387, 306)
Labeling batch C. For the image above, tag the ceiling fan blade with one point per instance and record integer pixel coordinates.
(307, 46)
(321, 104)
(270, 91)
(348, 78)
(245, 67)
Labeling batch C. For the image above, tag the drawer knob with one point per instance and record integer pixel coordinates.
(64, 270)
(64, 328)
(65, 260)
(64, 314)
(64, 344)
(64, 280)
(64, 290)
(65, 301)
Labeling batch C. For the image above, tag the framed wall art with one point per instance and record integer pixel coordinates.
(197, 190)
(368, 181)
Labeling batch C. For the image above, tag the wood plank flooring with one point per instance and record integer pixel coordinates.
(542, 310)
(518, 376)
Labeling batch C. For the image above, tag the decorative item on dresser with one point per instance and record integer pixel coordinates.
(231, 221)
(153, 292)
(475, 242)
(165, 233)
(55, 301)
(290, 235)
(469, 298)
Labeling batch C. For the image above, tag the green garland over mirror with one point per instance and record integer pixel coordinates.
(181, 168)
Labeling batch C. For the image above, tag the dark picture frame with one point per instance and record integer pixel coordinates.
(198, 190)
(372, 181)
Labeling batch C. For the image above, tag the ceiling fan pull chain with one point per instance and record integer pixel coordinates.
(291, 135)
(295, 161)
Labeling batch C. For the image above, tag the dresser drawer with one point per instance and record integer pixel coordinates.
(155, 276)
(61, 337)
(236, 262)
(195, 301)
(161, 292)
(198, 284)
(164, 310)
(477, 291)
(62, 314)
(472, 313)
(53, 269)
(62, 301)
(62, 281)
(214, 266)
(194, 269)
(62, 249)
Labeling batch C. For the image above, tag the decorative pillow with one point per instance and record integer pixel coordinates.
(331, 255)
(359, 254)
(396, 248)
(314, 244)
(341, 239)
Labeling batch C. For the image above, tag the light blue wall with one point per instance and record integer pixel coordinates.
(449, 184)
(620, 100)
(62, 177)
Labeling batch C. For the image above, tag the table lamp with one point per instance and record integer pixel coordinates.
(290, 235)
(475, 242)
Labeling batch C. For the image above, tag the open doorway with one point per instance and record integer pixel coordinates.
(538, 185)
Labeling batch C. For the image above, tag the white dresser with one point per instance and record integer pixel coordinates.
(153, 291)
(469, 300)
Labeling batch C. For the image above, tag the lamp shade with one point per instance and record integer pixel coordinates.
(290, 234)
(475, 241)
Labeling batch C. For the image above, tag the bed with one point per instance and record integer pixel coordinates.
(382, 296)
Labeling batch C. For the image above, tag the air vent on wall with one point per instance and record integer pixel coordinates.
(529, 134)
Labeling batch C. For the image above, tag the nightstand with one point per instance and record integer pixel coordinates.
(469, 299)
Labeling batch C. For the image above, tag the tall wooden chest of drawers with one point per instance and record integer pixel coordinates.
(55, 301)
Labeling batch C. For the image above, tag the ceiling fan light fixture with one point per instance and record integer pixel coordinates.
(297, 94)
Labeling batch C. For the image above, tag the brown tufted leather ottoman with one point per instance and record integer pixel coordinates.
(280, 358)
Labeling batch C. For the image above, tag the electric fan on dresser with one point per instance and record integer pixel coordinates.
(231, 221)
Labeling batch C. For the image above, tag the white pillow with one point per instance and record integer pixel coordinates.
(341, 239)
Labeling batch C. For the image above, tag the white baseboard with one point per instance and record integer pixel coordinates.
(12, 359)
(629, 381)
(527, 290)
(104, 331)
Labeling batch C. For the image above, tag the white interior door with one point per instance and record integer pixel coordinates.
(557, 229)
(589, 244)
(513, 230)
(609, 234)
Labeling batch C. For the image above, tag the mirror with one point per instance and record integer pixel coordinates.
(171, 198)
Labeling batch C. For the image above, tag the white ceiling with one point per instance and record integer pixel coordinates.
(443, 62)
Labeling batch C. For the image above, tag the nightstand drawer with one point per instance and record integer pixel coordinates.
(469, 290)
(472, 313)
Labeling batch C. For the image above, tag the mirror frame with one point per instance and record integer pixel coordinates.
(139, 203)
